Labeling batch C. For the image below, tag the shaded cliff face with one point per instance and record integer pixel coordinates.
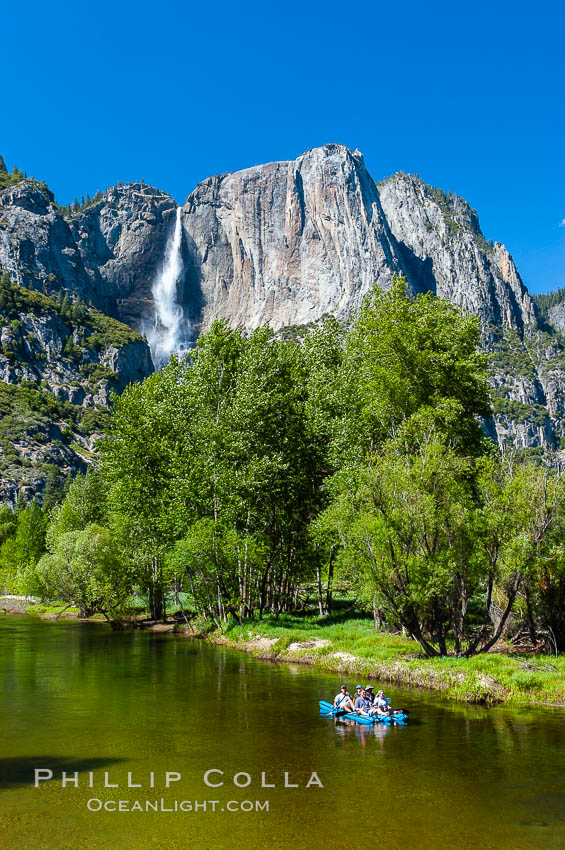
(37, 247)
(286, 242)
(60, 358)
(121, 241)
(441, 242)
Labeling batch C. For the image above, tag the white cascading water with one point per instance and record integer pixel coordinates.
(170, 333)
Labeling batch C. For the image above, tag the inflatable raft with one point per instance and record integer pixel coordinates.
(327, 710)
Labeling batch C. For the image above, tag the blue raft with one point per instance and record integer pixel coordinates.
(399, 717)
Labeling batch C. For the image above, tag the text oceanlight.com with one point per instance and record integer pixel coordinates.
(97, 805)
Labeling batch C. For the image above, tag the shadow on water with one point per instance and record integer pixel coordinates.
(17, 772)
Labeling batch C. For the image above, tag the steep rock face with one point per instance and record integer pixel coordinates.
(59, 358)
(58, 366)
(287, 242)
(556, 316)
(129, 362)
(121, 241)
(37, 248)
(443, 247)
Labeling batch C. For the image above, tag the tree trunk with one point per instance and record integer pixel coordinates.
(156, 596)
(377, 617)
(262, 593)
(530, 617)
(459, 611)
(319, 585)
(330, 579)
(501, 623)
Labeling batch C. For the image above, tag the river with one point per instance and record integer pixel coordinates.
(79, 697)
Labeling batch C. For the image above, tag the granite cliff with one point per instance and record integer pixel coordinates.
(121, 242)
(289, 241)
(282, 243)
(59, 363)
(286, 242)
(60, 356)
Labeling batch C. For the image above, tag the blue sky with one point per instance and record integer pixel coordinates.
(468, 96)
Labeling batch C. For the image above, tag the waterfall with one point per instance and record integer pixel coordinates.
(170, 333)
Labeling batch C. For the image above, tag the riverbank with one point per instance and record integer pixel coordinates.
(351, 647)
(354, 649)
(58, 610)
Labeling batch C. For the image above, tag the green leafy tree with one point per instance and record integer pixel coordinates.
(136, 467)
(84, 504)
(405, 355)
(521, 508)
(20, 552)
(65, 308)
(222, 437)
(405, 532)
(28, 542)
(85, 568)
(8, 523)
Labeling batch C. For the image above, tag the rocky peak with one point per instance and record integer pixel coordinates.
(444, 250)
(37, 248)
(288, 241)
(30, 195)
(121, 240)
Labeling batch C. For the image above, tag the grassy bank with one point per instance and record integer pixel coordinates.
(346, 645)
(349, 645)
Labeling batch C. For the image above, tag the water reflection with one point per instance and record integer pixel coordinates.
(346, 729)
(456, 776)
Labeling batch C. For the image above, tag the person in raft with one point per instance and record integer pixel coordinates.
(343, 701)
(380, 705)
(370, 694)
(362, 703)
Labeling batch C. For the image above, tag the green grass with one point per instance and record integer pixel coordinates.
(491, 678)
(42, 609)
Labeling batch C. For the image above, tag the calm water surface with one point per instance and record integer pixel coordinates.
(77, 697)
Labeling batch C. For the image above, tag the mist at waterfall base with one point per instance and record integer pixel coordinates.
(170, 332)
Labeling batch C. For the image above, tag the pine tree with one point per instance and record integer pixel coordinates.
(66, 306)
(53, 492)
